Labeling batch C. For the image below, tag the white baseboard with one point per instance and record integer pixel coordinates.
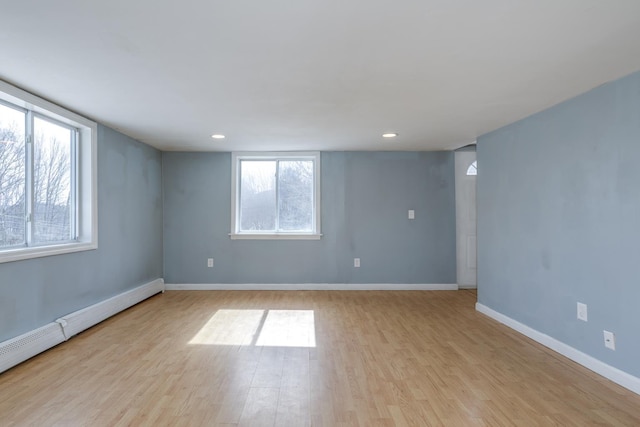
(311, 287)
(622, 378)
(78, 321)
(25, 346)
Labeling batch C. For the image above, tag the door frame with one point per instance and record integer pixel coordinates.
(466, 222)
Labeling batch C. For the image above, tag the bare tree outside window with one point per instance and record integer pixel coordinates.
(276, 195)
(52, 182)
(46, 216)
(295, 180)
(258, 195)
(12, 177)
(48, 180)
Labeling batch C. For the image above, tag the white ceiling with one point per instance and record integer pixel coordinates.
(314, 74)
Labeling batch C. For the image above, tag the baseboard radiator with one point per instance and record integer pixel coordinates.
(74, 323)
(25, 346)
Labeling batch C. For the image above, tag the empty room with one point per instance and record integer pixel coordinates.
(319, 213)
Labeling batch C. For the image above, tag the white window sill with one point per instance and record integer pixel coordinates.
(275, 236)
(8, 255)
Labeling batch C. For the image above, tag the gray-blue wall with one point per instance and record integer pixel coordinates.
(365, 198)
(559, 221)
(37, 291)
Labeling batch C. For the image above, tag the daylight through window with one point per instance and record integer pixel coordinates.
(40, 171)
(473, 169)
(276, 195)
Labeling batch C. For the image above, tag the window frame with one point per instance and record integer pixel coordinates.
(236, 158)
(83, 175)
(73, 181)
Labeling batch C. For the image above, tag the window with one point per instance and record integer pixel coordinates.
(275, 196)
(473, 169)
(47, 178)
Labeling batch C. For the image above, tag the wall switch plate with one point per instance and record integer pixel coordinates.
(210, 262)
(412, 214)
(356, 262)
(582, 311)
(610, 340)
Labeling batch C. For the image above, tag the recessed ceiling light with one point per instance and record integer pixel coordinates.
(217, 136)
(389, 135)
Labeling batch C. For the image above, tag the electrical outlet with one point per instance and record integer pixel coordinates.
(356, 262)
(610, 340)
(412, 214)
(210, 262)
(582, 311)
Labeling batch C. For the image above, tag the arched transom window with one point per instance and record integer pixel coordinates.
(473, 168)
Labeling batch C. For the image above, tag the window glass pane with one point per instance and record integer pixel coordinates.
(12, 177)
(473, 169)
(257, 195)
(51, 182)
(295, 186)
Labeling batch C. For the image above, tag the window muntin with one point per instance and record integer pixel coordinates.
(48, 188)
(276, 195)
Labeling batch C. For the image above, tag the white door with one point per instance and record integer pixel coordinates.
(466, 167)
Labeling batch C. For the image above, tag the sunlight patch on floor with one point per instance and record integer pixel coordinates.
(288, 328)
(230, 327)
(268, 328)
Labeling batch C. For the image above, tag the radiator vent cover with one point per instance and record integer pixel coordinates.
(76, 322)
(25, 346)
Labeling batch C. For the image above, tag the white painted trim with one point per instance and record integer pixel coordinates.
(237, 156)
(17, 350)
(274, 236)
(23, 347)
(310, 287)
(21, 253)
(78, 321)
(87, 194)
(619, 377)
(27, 100)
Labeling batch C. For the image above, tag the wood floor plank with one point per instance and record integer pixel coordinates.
(293, 407)
(307, 358)
(260, 407)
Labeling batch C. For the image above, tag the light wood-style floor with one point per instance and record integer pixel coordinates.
(307, 358)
